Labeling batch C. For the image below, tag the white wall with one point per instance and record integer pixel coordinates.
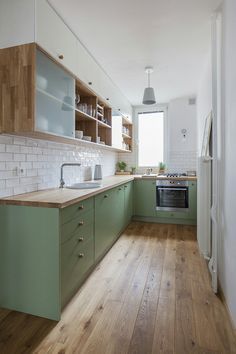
(204, 100)
(28, 165)
(227, 255)
(180, 154)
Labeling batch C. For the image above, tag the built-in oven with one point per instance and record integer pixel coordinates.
(172, 195)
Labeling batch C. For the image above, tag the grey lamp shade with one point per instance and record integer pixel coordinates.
(149, 96)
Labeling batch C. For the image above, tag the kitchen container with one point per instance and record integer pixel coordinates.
(79, 134)
(98, 172)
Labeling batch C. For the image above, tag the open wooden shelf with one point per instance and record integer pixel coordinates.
(125, 136)
(84, 116)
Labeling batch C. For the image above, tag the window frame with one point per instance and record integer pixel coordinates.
(143, 109)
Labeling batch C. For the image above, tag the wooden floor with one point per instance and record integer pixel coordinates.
(150, 294)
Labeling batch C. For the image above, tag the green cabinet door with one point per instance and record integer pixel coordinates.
(129, 205)
(193, 200)
(104, 232)
(118, 211)
(145, 197)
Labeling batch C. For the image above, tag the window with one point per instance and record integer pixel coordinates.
(150, 139)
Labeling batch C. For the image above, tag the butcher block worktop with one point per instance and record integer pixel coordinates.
(63, 197)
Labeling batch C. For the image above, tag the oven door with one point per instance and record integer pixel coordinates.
(172, 198)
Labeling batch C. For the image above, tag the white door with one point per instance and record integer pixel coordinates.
(216, 143)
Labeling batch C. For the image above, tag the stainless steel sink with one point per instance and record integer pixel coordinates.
(84, 185)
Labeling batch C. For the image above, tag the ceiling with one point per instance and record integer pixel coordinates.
(126, 35)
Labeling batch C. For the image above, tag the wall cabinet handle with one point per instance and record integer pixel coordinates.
(80, 239)
(126, 186)
(61, 56)
(81, 255)
(106, 196)
(90, 83)
(81, 207)
(81, 223)
(120, 189)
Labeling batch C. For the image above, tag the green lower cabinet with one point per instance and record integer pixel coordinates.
(145, 204)
(118, 210)
(128, 200)
(30, 260)
(145, 198)
(46, 253)
(104, 235)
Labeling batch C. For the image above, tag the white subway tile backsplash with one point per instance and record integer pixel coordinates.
(19, 157)
(28, 165)
(13, 148)
(4, 156)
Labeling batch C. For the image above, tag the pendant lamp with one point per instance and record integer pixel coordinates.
(149, 95)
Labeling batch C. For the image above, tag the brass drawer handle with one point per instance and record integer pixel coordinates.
(81, 207)
(106, 196)
(81, 223)
(81, 255)
(80, 239)
(61, 56)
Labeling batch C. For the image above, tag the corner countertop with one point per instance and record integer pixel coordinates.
(61, 198)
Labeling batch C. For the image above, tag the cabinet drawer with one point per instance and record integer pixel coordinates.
(82, 225)
(172, 214)
(76, 210)
(76, 260)
(84, 232)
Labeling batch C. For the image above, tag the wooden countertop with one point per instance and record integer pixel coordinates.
(61, 198)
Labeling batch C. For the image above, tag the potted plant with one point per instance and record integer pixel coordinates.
(162, 167)
(133, 169)
(121, 165)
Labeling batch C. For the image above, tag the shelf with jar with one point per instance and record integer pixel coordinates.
(126, 134)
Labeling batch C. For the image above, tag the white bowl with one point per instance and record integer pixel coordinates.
(87, 138)
(79, 134)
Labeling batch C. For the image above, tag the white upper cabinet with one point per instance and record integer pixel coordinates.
(36, 21)
(54, 36)
(16, 22)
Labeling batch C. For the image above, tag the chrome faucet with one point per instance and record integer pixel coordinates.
(148, 171)
(62, 182)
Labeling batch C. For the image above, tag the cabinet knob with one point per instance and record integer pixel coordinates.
(81, 207)
(107, 98)
(81, 223)
(106, 196)
(61, 56)
(80, 239)
(120, 189)
(90, 83)
(125, 186)
(81, 255)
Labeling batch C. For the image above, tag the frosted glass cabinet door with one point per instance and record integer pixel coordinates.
(55, 97)
(52, 118)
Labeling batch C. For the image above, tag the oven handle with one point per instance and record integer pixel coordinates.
(172, 189)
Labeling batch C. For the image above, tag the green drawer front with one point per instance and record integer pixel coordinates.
(172, 214)
(80, 226)
(76, 260)
(76, 210)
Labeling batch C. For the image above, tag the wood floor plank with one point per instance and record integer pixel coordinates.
(164, 336)
(142, 337)
(150, 294)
